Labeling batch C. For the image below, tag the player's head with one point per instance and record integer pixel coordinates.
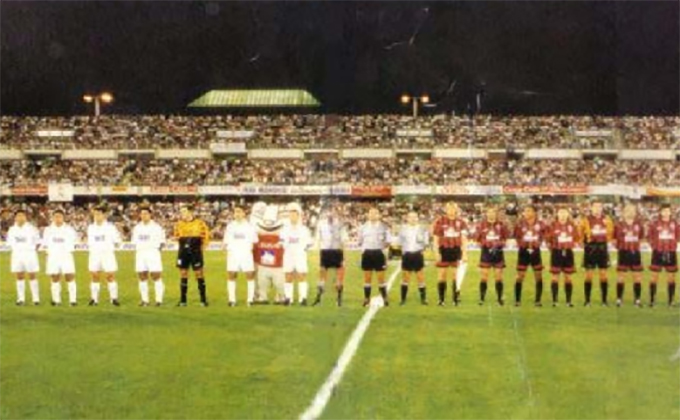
(412, 218)
(58, 217)
(629, 211)
(491, 213)
(665, 211)
(451, 209)
(563, 214)
(145, 214)
(294, 215)
(529, 212)
(239, 213)
(186, 212)
(99, 214)
(373, 214)
(596, 207)
(20, 217)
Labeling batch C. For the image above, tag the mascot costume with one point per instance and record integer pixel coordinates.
(268, 253)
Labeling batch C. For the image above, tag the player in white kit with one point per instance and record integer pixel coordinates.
(60, 240)
(102, 240)
(24, 239)
(239, 239)
(148, 238)
(295, 239)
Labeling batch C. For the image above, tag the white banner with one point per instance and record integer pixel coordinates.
(222, 147)
(60, 192)
(235, 134)
(414, 133)
(412, 189)
(55, 133)
(593, 133)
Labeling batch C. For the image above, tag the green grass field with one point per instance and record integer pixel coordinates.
(269, 362)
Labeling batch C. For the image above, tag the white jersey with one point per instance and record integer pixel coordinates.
(102, 238)
(331, 234)
(148, 236)
(59, 239)
(24, 238)
(295, 238)
(240, 237)
(413, 238)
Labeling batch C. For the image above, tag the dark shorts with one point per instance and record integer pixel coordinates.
(373, 260)
(190, 258)
(332, 258)
(629, 261)
(492, 257)
(450, 257)
(595, 255)
(412, 261)
(562, 261)
(529, 257)
(664, 261)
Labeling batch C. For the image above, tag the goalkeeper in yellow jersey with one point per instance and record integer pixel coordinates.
(193, 236)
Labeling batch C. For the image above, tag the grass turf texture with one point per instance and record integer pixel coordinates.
(268, 362)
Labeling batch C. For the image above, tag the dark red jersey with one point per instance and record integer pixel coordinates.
(450, 232)
(492, 235)
(530, 234)
(268, 251)
(563, 235)
(629, 235)
(663, 236)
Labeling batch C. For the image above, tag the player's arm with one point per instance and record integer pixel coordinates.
(225, 238)
(205, 235)
(162, 237)
(435, 236)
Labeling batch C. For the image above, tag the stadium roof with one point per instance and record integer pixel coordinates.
(255, 98)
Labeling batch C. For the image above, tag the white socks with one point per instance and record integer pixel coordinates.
(71, 285)
(288, 291)
(55, 287)
(94, 291)
(159, 290)
(144, 291)
(302, 290)
(35, 290)
(21, 290)
(231, 291)
(251, 291)
(113, 290)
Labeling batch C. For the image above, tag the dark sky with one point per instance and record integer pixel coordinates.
(527, 57)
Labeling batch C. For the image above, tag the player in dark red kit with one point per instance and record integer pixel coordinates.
(450, 240)
(492, 235)
(628, 233)
(597, 230)
(530, 233)
(663, 236)
(563, 237)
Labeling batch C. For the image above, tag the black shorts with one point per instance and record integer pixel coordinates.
(332, 258)
(190, 258)
(373, 260)
(629, 261)
(450, 257)
(412, 261)
(664, 261)
(562, 261)
(529, 257)
(492, 257)
(595, 255)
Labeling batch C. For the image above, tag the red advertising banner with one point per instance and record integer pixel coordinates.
(371, 191)
(545, 189)
(30, 190)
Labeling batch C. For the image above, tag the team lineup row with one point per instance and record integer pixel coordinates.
(277, 258)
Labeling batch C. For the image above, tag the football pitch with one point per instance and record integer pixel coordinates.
(269, 361)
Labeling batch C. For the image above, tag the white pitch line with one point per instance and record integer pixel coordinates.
(522, 358)
(326, 391)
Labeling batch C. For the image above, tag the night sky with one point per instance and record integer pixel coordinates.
(356, 57)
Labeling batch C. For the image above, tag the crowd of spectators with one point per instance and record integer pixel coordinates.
(218, 212)
(331, 131)
(363, 172)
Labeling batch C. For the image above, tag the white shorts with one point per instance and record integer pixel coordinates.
(240, 262)
(102, 261)
(295, 262)
(60, 263)
(25, 262)
(148, 260)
